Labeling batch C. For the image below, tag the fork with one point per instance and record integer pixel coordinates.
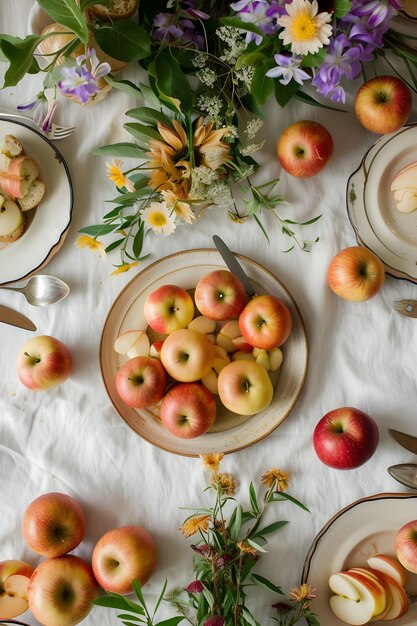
(55, 134)
(408, 308)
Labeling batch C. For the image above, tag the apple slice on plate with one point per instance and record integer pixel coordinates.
(14, 582)
(357, 598)
(390, 566)
(133, 343)
(11, 221)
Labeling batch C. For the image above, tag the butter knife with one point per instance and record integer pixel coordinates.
(234, 265)
(14, 318)
(406, 441)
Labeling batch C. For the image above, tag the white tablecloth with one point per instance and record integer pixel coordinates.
(71, 439)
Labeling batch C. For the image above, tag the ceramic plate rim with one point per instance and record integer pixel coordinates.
(49, 254)
(251, 262)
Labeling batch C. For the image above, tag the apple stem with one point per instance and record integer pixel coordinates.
(36, 359)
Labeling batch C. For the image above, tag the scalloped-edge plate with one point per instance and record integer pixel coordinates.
(360, 530)
(378, 224)
(230, 432)
(49, 222)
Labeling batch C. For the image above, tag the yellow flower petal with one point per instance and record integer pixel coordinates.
(85, 241)
(124, 268)
(194, 524)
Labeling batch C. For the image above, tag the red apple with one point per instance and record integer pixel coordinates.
(121, 555)
(61, 591)
(220, 295)
(43, 362)
(345, 438)
(383, 104)
(304, 148)
(406, 546)
(14, 582)
(188, 410)
(356, 274)
(168, 308)
(187, 355)
(53, 524)
(265, 322)
(245, 387)
(141, 381)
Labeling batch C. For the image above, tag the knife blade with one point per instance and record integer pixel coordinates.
(234, 265)
(14, 318)
(406, 441)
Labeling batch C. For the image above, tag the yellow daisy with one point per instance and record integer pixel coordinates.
(305, 30)
(275, 478)
(85, 241)
(304, 593)
(115, 174)
(182, 209)
(194, 524)
(211, 461)
(124, 268)
(159, 218)
(225, 482)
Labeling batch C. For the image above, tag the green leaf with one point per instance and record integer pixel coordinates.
(313, 60)
(281, 495)
(235, 22)
(312, 620)
(161, 595)
(172, 84)
(138, 591)
(114, 601)
(261, 86)
(248, 616)
(129, 617)
(137, 249)
(254, 59)
(269, 529)
(124, 85)
(173, 621)
(266, 584)
(142, 132)
(124, 40)
(237, 523)
(307, 99)
(256, 546)
(341, 7)
(20, 53)
(113, 213)
(99, 229)
(114, 245)
(123, 149)
(312, 221)
(148, 115)
(67, 13)
(284, 93)
(208, 596)
(261, 226)
(253, 499)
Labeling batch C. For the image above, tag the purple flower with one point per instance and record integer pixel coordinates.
(195, 587)
(195, 13)
(43, 107)
(288, 68)
(260, 13)
(81, 82)
(170, 28)
(167, 28)
(216, 620)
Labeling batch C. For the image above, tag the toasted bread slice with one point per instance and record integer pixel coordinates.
(34, 195)
(118, 9)
(11, 146)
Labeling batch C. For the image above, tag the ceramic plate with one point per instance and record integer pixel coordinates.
(362, 529)
(48, 223)
(230, 432)
(378, 224)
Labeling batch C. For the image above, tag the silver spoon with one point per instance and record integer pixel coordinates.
(43, 290)
(405, 473)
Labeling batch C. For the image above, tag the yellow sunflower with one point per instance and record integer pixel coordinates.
(192, 525)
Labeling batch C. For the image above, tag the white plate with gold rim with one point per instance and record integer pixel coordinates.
(360, 530)
(230, 432)
(378, 224)
(48, 223)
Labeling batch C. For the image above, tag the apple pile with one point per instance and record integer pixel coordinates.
(60, 590)
(21, 189)
(222, 346)
(376, 592)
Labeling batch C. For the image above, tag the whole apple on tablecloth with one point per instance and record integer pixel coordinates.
(356, 274)
(265, 322)
(304, 148)
(53, 524)
(345, 438)
(188, 410)
(220, 295)
(61, 591)
(141, 381)
(43, 363)
(121, 555)
(14, 582)
(383, 104)
(168, 308)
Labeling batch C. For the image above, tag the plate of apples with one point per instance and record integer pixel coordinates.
(192, 364)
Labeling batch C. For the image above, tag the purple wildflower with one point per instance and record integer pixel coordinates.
(80, 81)
(43, 107)
(195, 13)
(341, 61)
(195, 587)
(166, 27)
(288, 68)
(169, 27)
(260, 13)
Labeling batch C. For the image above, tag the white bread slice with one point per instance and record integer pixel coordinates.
(11, 146)
(34, 195)
(4, 162)
(118, 9)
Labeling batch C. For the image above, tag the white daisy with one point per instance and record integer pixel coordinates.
(159, 218)
(305, 30)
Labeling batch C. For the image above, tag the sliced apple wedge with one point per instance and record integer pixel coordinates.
(408, 204)
(271, 360)
(155, 349)
(13, 597)
(11, 222)
(407, 177)
(242, 356)
(400, 602)
(241, 345)
(353, 603)
(373, 575)
(202, 325)
(221, 359)
(133, 343)
(390, 566)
